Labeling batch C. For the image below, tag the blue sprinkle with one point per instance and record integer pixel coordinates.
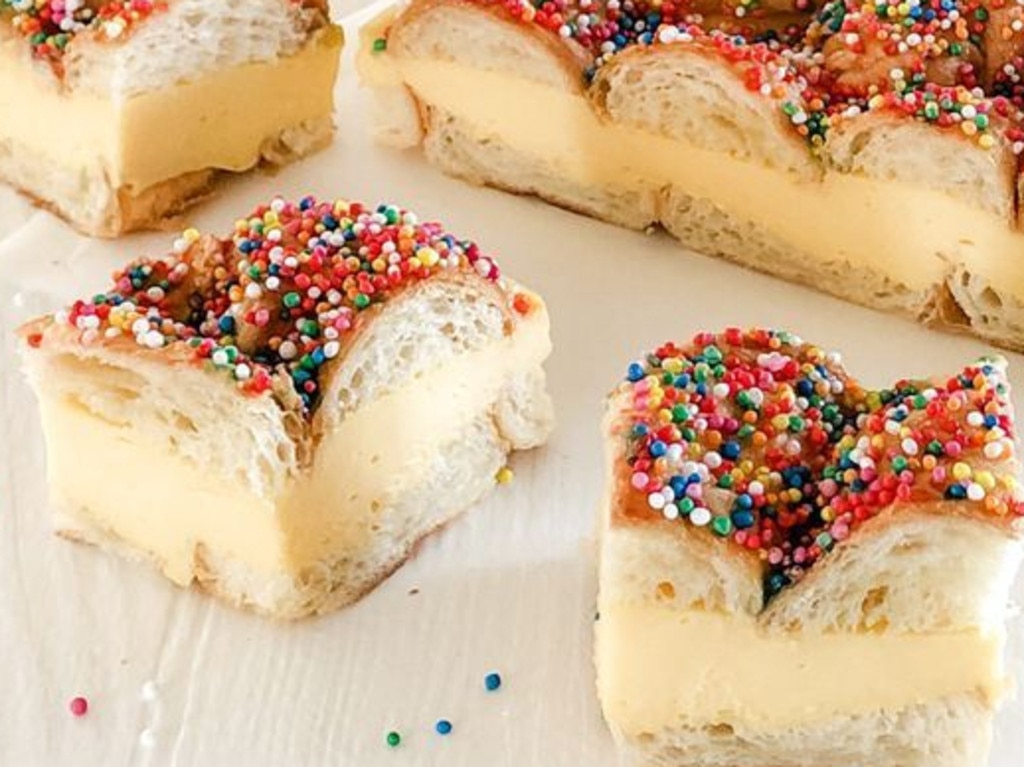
(226, 324)
(443, 726)
(658, 448)
(730, 450)
(991, 421)
(744, 501)
(635, 372)
(956, 492)
(492, 681)
(640, 430)
(743, 519)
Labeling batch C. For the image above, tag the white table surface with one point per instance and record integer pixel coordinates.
(174, 678)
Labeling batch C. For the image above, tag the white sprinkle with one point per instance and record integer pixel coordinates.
(18, 300)
(484, 266)
(150, 691)
(253, 291)
(154, 339)
(993, 449)
(909, 446)
(656, 501)
(755, 488)
(720, 390)
(331, 349)
(219, 358)
(243, 372)
(975, 492)
(700, 516)
(288, 350)
(975, 418)
(671, 511)
(668, 34)
(712, 459)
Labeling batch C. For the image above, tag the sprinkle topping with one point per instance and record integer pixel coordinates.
(49, 25)
(954, 64)
(765, 440)
(279, 295)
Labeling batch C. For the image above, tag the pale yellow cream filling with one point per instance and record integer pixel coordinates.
(127, 481)
(909, 233)
(662, 668)
(221, 120)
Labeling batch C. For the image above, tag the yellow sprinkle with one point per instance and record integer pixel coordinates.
(985, 479)
(428, 256)
(961, 471)
(504, 475)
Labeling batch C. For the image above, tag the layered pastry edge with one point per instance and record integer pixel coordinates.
(288, 465)
(632, 137)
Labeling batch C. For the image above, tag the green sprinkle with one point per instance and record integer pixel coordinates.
(394, 739)
(291, 300)
(362, 301)
(380, 45)
(722, 525)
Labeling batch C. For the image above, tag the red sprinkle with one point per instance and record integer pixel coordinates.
(78, 706)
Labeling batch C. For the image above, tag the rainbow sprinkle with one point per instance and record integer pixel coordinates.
(280, 294)
(926, 60)
(49, 25)
(764, 440)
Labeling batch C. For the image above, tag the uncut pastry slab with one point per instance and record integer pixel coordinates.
(510, 587)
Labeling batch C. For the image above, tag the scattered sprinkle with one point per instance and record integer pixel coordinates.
(492, 681)
(393, 739)
(505, 475)
(443, 727)
(78, 706)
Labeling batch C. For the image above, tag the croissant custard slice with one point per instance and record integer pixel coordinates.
(868, 150)
(116, 114)
(279, 416)
(798, 571)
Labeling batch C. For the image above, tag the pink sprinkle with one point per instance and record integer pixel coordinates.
(78, 706)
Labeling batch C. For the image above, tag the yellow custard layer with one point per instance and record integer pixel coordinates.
(220, 120)
(660, 667)
(913, 234)
(126, 480)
